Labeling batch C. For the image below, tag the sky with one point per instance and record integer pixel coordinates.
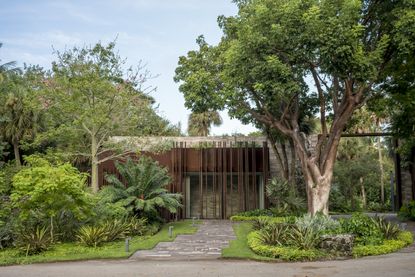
(155, 32)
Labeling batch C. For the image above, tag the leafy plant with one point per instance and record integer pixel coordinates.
(115, 229)
(388, 229)
(320, 223)
(407, 211)
(304, 237)
(282, 195)
(260, 222)
(274, 233)
(137, 226)
(364, 228)
(33, 241)
(146, 187)
(92, 236)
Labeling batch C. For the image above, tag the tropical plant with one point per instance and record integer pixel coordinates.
(407, 210)
(388, 229)
(33, 240)
(304, 237)
(364, 228)
(6, 68)
(47, 189)
(320, 223)
(200, 123)
(92, 236)
(274, 233)
(260, 222)
(116, 229)
(138, 226)
(145, 188)
(283, 197)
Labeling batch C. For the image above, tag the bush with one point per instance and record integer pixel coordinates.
(257, 212)
(260, 222)
(269, 218)
(364, 228)
(137, 226)
(92, 236)
(286, 253)
(33, 241)
(115, 230)
(389, 230)
(403, 239)
(320, 223)
(273, 233)
(407, 211)
(304, 238)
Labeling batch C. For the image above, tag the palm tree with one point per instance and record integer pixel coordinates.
(6, 68)
(145, 187)
(200, 123)
(18, 120)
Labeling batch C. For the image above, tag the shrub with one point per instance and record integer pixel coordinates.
(404, 238)
(34, 240)
(257, 212)
(92, 236)
(286, 253)
(269, 218)
(320, 223)
(364, 228)
(304, 238)
(115, 229)
(137, 226)
(260, 222)
(282, 195)
(273, 233)
(389, 230)
(407, 211)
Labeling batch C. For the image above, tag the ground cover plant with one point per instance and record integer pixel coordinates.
(304, 238)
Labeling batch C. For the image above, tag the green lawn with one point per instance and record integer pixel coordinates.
(238, 248)
(74, 251)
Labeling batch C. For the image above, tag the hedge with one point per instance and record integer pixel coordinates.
(282, 252)
(252, 218)
(388, 246)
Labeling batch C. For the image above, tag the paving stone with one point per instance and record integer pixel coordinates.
(207, 243)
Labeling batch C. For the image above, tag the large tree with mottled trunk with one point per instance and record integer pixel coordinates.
(93, 98)
(281, 59)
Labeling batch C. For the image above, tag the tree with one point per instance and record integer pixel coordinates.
(273, 49)
(200, 123)
(8, 67)
(145, 187)
(93, 98)
(20, 119)
(46, 189)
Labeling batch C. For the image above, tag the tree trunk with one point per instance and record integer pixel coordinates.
(17, 153)
(382, 173)
(363, 192)
(94, 165)
(318, 196)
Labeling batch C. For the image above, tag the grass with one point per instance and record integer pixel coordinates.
(74, 251)
(238, 248)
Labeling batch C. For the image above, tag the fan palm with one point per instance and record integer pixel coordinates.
(145, 188)
(200, 123)
(6, 68)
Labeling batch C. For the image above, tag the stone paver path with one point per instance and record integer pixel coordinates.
(207, 243)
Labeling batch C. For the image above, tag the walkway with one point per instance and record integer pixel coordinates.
(207, 243)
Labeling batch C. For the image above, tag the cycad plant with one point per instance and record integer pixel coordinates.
(145, 187)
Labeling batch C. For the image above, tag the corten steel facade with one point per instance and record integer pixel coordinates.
(216, 179)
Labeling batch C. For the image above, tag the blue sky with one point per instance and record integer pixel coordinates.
(154, 31)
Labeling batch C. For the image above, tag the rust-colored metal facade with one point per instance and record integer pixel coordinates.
(216, 179)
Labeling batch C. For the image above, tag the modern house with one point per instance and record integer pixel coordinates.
(217, 176)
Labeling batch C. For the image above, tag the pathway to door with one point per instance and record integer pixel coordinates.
(207, 243)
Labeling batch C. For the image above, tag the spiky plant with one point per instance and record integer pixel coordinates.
(145, 189)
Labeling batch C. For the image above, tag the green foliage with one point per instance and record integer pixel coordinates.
(146, 188)
(389, 230)
(48, 189)
(257, 212)
(33, 240)
(137, 226)
(92, 236)
(261, 218)
(364, 228)
(286, 253)
(282, 194)
(200, 123)
(304, 237)
(320, 223)
(407, 211)
(388, 246)
(116, 229)
(274, 233)
(260, 222)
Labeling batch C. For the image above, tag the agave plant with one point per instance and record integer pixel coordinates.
(145, 189)
(304, 237)
(116, 229)
(274, 233)
(92, 235)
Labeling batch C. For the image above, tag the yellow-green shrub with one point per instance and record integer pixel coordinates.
(388, 246)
